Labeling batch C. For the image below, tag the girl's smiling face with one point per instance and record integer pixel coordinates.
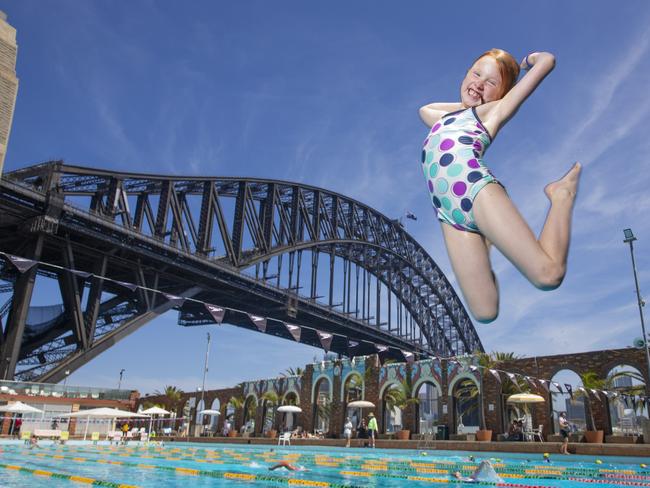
(482, 83)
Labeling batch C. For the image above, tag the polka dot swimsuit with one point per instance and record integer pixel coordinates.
(453, 168)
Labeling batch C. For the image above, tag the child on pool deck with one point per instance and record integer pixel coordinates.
(475, 213)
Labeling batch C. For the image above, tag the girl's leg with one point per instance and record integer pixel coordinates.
(470, 260)
(542, 261)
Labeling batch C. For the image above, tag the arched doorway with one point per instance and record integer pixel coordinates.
(626, 384)
(216, 405)
(322, 407)
(428, 407)
(466, 400)
(250, 407)
(392, 418)
(288, 420)
(200, 418)
(269, 404)
(353, 391)
(572, 404)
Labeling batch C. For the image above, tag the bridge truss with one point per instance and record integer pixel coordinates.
(286, 251)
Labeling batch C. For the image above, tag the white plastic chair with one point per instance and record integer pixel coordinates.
(537, 433)
(284, 438)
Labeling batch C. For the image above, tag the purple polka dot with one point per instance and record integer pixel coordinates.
(477, 145)
(446, 145)
(479, 125)
(459, 188)
(430, 185)
(459, 227)
(426, 141)
(435, 128)
(473, 163)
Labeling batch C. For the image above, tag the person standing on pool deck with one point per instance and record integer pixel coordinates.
(372, 428)
(347, 431)
(565, 430)
(475, 213)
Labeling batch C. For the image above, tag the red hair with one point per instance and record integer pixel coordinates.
(508, 68)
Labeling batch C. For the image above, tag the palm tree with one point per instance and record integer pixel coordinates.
(172, 397)
(297, 371)
(590, 381)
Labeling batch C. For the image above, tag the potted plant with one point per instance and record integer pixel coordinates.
(591, 381)
(401, 397)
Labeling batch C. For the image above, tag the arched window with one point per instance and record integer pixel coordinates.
(199, 416)
(216, 405)
(392, 413)
(352, 391)
(428, 407)
(250, 406)
(466, 406)
(572, 404)
(289, 418)
(625, 384)
(322, 406)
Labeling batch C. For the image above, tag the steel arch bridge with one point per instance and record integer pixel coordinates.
(282, 250)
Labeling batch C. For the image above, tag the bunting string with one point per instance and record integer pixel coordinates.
(295, 331)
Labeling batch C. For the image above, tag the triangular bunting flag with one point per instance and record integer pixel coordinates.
(21, 264)
(409, 356)
(557, 385)
(496, 375)
(545, 384)
(381, 348)
(130, 286)
(176, 300)
(352, 347)
(216, 312)
(569, 389)
(259, 322)
(294, 330)
(325, 339)
(531, 382)
(513, 380)
(473, 368)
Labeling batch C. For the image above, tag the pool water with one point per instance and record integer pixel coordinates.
(217, 465)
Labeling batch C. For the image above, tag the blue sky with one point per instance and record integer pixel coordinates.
(327, 94)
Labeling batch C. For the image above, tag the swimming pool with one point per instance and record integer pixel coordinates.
(217, 465)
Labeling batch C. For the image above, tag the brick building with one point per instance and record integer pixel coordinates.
(451, 393)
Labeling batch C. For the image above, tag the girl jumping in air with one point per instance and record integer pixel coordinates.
(475, 213)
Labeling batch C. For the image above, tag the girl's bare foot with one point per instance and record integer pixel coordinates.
(567, 186)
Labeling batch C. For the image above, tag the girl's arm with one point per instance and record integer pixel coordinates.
(430, 114)
(539, 65)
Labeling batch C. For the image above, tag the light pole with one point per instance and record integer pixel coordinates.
(205, 368)
(119, 383)
(629, 238)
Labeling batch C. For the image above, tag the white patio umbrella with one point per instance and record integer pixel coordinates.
(361, 404)
(289, 409)
(154, 411)
(209, 411)
(524, 399)
(103, 413)
(18, 407)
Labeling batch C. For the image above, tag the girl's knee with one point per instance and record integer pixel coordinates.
(549, 276)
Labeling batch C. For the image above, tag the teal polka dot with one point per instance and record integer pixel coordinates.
(441, 185)
(454, 170)
(434, 140)
(458, 216)
(446, 203)
(433, 170)
(429, 157)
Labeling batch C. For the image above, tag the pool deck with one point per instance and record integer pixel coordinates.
(637, 450)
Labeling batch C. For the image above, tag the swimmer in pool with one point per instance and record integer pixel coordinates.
(483, 473)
